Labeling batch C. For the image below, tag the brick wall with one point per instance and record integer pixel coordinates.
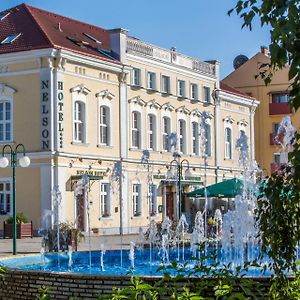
(22, 284)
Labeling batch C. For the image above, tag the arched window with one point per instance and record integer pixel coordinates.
(208, 139)
(5, 121)
(195, 138)
(104, 125)
(79, 122)
(151, 132)
(136, 130)
(228, 143)
(166, 130)
(182, 136)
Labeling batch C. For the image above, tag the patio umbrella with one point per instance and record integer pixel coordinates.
(225, 189)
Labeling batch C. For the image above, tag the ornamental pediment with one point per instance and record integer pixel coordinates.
(243, 122)
(196, 112)
(229, 120)
(183, 109)
(105, 94)
(137, 100)
(168, 106)
(207, 115)
(153, 104)
(80, 89)
(6, 90)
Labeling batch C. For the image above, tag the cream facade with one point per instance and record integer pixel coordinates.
(112, 121)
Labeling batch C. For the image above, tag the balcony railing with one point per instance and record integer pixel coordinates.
(279, 108)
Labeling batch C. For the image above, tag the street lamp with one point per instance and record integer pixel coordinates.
(24, 162)
(179, 164)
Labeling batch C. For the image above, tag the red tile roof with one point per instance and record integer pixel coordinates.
(231, 90)
(41, 29)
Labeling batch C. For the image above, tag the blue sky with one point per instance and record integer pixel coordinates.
(198, 28)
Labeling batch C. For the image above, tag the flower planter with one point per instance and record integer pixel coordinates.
(23, 230)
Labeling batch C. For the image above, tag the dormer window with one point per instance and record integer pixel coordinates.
(92, 38)
(10, 38)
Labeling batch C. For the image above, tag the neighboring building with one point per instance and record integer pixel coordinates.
(273, 106)
(85, 100)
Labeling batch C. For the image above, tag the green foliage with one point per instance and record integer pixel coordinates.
(43, 293)
(283, 18)
(21, 219)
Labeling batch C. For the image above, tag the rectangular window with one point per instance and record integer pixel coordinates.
(136, 77)
(195, 138)
(136, 200)
(166, 132)
(105, 204)
(5, 197)
(206, 91)
(280, 98)
(136, 128)
(153, 199)
(5, 121)
(182, 136)
(275, 127)
(208, 140)
(181, 88)
(151, 81)
(79, 122)
(151, 132)
(104, 125)
(228, 142)
(277, 158)
(194, 91)
(165, 84)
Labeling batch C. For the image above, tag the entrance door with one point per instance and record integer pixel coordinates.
(170, 205)
(80, 211)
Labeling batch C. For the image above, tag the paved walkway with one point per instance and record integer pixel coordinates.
(33, 245)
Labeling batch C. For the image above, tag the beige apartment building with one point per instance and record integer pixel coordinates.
(272, 109)
(89, 101)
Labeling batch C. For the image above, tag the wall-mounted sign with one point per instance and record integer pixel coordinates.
(193, 178)
(60, 114)
(91, 173)
(45, 112)
(159, 176)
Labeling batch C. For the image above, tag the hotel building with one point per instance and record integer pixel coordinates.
(89, 101)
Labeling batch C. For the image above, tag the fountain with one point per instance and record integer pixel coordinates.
(70, 262)
(218, 221)
(102, 252)
(131, 255)
(198, 236)
(181, 229)
(152, 237)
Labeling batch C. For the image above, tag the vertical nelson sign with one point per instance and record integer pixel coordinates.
(46, 114)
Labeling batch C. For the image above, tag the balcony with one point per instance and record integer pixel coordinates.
(272, 139)
(275, 167)
(279, 108)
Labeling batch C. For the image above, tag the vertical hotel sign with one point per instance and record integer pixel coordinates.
(60, 111)
(45, 111)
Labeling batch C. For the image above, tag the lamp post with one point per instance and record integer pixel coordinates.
(179, 164)
(24, 162)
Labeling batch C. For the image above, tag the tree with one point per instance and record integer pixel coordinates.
(279, 208)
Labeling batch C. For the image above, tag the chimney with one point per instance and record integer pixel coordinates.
(264, 50)
(59, 27)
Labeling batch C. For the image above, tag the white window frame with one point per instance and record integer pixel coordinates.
(195, 138)
(136, 77)
(151, 81)
(206, 94)
(151, 131)
(105, 199)
(80, 93)
(165, 133)
(79, 122)
(136, 129)
(182, 136)
(180, 88)
(104, 126)
(136, 200)
(153, 205)
(4, 181)
(228, 143)
(194, 91)
(208, 142)
(276, 155)
(6, 96)
(165, 84)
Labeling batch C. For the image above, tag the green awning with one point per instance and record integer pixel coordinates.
(225, 189)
